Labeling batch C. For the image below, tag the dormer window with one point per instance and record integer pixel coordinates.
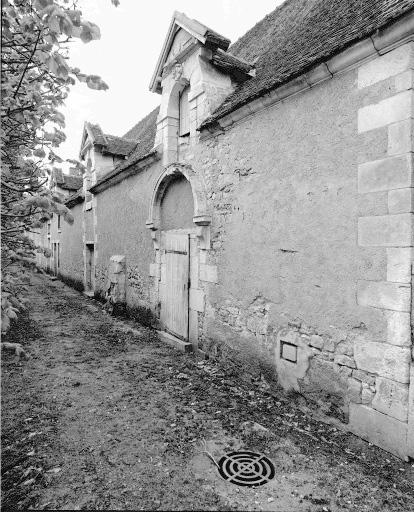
(184, 113)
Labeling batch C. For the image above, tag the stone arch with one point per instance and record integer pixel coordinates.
(173, 100)
(201, 215)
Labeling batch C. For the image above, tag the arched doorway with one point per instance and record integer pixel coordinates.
(176, 224)
(180, 227)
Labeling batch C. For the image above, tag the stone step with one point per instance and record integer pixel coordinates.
(182, 346)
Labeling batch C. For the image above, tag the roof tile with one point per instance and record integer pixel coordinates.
(298, 35)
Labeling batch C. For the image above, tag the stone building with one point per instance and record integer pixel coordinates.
(264, 212)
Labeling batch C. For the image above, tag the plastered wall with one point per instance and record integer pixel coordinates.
(121, 214)
(71, 243)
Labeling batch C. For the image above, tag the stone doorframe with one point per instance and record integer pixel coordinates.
(199, 241)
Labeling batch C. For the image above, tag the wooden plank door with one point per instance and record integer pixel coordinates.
(55, 258)
(89, 266)
(174, 306)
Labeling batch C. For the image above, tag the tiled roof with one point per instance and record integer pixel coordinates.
(300, 34)
(144, 133)
(97, 133)
(228, 63)
(75, 198)
(118, 145)
(66, 181)
(71, 182)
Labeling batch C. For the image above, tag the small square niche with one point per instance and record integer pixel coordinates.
(288, 351)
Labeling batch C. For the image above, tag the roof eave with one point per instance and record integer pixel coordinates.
(380, 41)
(119, 174)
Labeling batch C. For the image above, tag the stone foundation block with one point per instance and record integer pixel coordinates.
(197, 300)
(208, 273)
(386, 66)
(391, 398)
(390, 110)
(399, 260)
(386, 230)
(316, 341)
(385, 360)
(401, 200)
(379, 429)
(385, 174)
(398, 328)
(384, 295)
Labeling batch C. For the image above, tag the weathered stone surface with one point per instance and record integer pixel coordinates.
(387, 111)
(401, 200)
(316, 341)
(153, 272)
(404, 81)
(366, 396)
(383, 359)
(386, 230)
(354, 390)
(398, 328)
(379, 429)
(196, 300)
(345, 347)
(391, 398)
(329, 345)
(385, 174)
(344, 360)
(385, 295)
(208, 273)
(289, 373)
(399, 137)
(386, 66)
(399, 261)
(325, 376)
(363, 377)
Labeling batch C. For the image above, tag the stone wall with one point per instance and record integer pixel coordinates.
(311, 241)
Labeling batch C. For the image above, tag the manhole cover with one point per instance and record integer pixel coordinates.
(246, 468)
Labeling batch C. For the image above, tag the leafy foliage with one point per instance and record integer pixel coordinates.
(35, 81)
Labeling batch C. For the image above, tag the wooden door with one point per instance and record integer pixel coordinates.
(174, 305)
(89, 266)
(55, 258)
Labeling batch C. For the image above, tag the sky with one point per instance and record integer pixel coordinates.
(125, 57)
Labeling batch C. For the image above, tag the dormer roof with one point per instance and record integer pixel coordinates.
(66, 181)
(109, 144)
(201, 33)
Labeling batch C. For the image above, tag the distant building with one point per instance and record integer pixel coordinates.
(264, 212)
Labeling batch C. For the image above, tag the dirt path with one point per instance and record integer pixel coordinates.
(102, 418)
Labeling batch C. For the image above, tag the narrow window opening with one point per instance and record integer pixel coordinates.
(184, 113)
(59, 222)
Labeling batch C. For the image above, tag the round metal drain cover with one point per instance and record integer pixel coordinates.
(246, 468)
